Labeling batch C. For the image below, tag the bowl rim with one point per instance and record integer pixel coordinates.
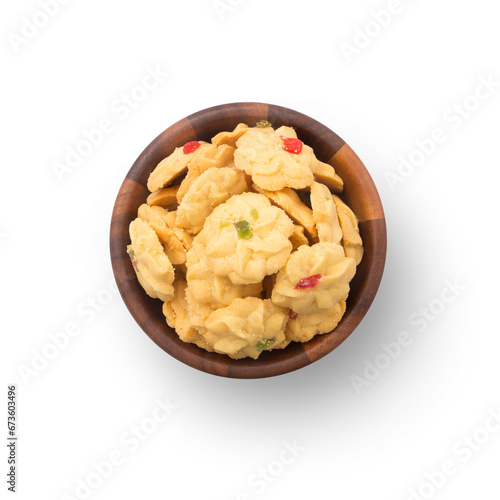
(330, 148)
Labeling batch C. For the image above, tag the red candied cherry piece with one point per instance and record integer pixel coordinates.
(292, 145)
(292, 314)
(309, 282)
(191, 147)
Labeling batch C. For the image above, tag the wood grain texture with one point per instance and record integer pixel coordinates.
(360, 194)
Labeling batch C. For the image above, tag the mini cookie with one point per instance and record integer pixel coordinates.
(246, 328)
(152, 266)
(325, 214)
(289, 201)
(213, 187)
(322, 171)
(165, 198)
(176, 314)
(314, 279)
(230, 138)
(211, 157)
(175, 165)
(325, 174)
(298, 239)
(353, 245)
(303, 327)
(246, 238)
(273, 161)
(156, 217)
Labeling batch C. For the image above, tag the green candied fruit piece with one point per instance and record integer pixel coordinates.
(131, 253)
(254, 213)
(264, 344)
(224, 223)
(244, 229)
(263, 124)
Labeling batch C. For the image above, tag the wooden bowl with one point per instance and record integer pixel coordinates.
(360, 194)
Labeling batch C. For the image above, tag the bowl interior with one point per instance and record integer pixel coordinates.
(359, 193)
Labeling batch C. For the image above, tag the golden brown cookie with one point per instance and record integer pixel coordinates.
(351, 239)
(246, 238)
(211, 157)
(156, 217)
(174, 166)
(261, 153)
(325, 214)
(326, 174)
(230, 138)
(165, 198)
(213, 187)
(246, 328)
(303, 327)
(314, 279)
(298, 239)
(152, 266)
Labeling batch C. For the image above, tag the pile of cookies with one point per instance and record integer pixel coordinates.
(246, 242)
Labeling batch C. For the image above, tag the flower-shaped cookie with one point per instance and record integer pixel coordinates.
(246, 238)
(323, 172)
(246, 328)
(314, 279)
(303, 327)
(273, 160)
(213, 187)
(152, 266)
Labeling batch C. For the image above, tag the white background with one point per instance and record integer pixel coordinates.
(378, 441)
